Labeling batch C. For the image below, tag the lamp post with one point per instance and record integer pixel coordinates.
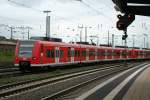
(113, 46)
(28, 28)
(145, 43)
(81, 28)
(47, 23)
(133, 38)
(11, 30)
(86, 33)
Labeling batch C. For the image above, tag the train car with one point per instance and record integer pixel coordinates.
(37, 53)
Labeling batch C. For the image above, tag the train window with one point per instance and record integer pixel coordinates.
(98, 53)
(101, 53)
(124, 53)
(109, 53)
(141, 53)
(72, 53)
(117, 53)
(69, 52)
(130, 53)
(25, 51)
(91, 53)
(61, 53)
(77, 53)
(84, 53)
(136, 53)
(57, 53)
(26, 42)
(50, 53)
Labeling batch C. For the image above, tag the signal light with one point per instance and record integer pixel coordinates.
(121, 25)
(131, 17)
(124, 21)
(124, 36)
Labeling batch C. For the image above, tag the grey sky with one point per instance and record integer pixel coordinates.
(66, 15)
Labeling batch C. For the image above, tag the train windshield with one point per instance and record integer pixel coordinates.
(25, 49)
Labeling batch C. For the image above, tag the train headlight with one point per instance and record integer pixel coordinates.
(41, 54)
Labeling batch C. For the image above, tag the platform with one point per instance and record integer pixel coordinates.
(132, 84)
(140, 89)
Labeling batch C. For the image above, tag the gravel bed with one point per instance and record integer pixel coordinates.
(45, 74)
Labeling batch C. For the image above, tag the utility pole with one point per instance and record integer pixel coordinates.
(108, 37)
(47, 23)
(86, 28)
(145, 35)
(28, 28)
(11, 31)
(147, 42)
(81, 28)
(113, 41)
(133, 37)
(85, 34)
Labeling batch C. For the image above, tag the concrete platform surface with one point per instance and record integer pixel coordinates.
(140, 89)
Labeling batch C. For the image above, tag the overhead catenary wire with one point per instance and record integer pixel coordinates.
(23, 5)
(94, 9)
(34, 9)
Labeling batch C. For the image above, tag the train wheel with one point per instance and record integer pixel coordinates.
(25, 67)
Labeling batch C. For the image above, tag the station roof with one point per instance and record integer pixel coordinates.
(137, 7)
(7, 43)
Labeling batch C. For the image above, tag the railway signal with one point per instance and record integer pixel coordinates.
(124, 21)
(124, 36)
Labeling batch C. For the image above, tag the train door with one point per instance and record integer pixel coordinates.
(57, 54)
(109, 54)
(72, 55)
(102, 54)
(62, 54)
(49, 55)
(41, 54)
(96, 52)
(69, 54)
(87, 54)
(83, 54)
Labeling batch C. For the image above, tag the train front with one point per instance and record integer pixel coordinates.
(25, 55)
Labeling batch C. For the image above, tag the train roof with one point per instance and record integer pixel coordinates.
(80, 45)
(74, 45)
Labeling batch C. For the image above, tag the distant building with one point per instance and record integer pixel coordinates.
(2, 38)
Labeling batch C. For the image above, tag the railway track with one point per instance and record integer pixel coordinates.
(58, 94)
(8, 71)
(22, 87)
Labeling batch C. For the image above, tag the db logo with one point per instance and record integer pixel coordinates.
(24, 58)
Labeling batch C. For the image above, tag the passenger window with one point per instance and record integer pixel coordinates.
(61, 53)
(72, 53)
(77, 53)
(57, 53)
(69, 53)
(84, 53)
(92, 53)
(98, 53)
(50, 54)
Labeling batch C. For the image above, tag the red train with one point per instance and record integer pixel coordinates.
(37, 53)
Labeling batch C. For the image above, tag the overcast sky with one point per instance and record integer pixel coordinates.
(66, 16)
